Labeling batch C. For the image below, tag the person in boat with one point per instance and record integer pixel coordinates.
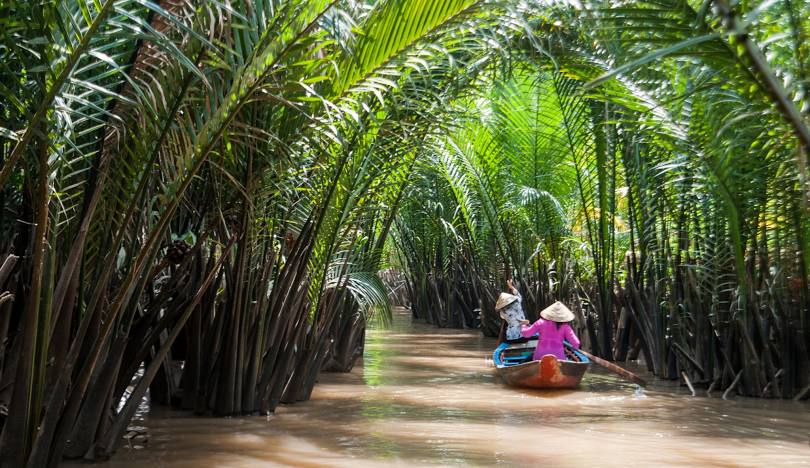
(510, 308)
(554, 327)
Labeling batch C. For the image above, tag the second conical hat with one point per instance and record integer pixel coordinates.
(504, 300)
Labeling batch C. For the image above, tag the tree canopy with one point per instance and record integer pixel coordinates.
(220, 182)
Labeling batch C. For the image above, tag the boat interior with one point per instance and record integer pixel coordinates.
(512, 354)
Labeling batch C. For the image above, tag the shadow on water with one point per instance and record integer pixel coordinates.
(425, 396)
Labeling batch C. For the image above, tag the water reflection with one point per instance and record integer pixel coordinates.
(428, 397)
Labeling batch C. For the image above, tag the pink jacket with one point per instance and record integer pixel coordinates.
(551, 338)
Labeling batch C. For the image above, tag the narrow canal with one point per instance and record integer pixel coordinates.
(424, 396)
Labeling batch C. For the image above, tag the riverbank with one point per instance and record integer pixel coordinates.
(425, 396)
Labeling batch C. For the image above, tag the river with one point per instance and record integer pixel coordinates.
(426, 396)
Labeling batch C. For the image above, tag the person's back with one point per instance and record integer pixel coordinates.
(554, 329)
(510, 308)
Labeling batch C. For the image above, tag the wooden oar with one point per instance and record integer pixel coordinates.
(615, 369)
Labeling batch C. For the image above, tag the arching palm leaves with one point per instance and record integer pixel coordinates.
(226, 174)
(219, 125)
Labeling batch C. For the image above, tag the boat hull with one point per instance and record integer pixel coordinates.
(548, 372)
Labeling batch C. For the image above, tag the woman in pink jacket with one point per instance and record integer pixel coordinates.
(553, 327)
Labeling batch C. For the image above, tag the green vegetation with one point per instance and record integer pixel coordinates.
(219, 182)
(644, 163)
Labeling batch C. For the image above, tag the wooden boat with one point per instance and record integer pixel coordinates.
(513, 363)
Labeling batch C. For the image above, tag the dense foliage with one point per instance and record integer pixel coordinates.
(645, 162)
(215, 182)
(209, 182)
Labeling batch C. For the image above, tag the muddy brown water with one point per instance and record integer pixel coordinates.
(424, 396)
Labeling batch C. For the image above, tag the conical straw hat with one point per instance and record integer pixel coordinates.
(557, 312)
(504, 300)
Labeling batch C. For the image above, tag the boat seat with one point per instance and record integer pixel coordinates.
(531, 344)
